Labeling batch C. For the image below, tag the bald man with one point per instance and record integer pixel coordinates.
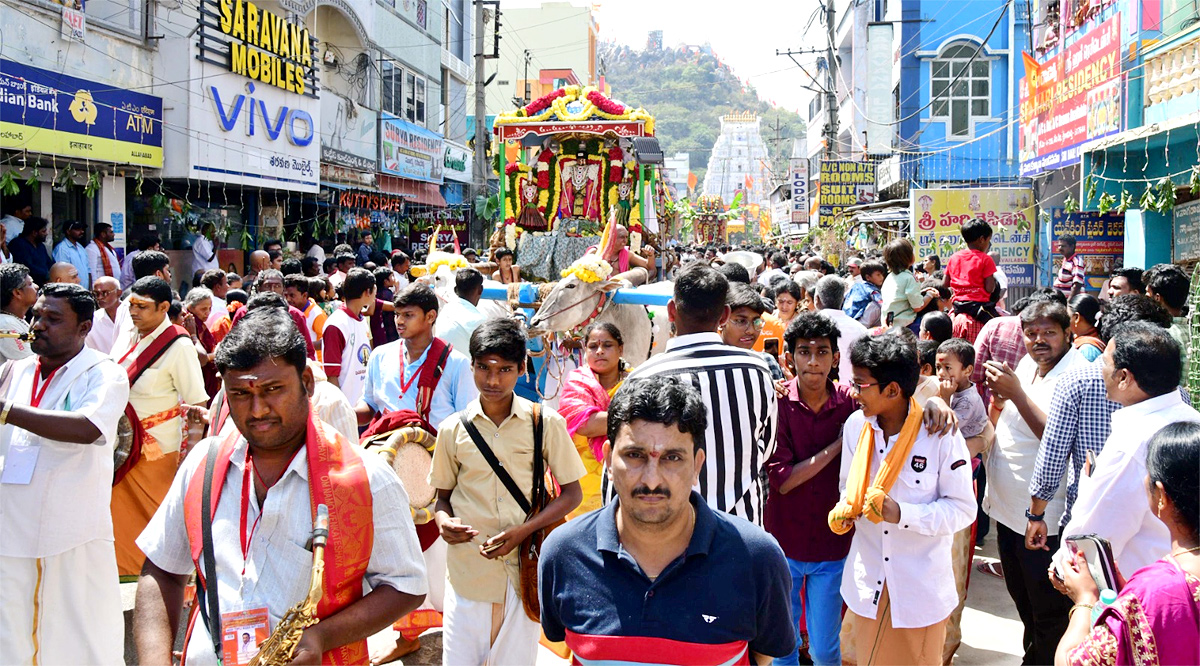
(105, 321)
(627, 265)
(260, 261)
(64, 272)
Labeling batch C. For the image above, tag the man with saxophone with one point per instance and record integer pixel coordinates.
(58, 420)
(249, 547)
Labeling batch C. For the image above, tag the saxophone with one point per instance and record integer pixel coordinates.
(280, 646)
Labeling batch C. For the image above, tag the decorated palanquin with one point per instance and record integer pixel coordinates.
(710, 220)
(577, 169)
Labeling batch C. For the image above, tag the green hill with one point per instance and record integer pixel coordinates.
(688, 90)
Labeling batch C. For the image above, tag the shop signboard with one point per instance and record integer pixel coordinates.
(1099, 240)
(46, 112)
(410, 151)
(799, 200)
(251, 134)
(458, 163)
(937, 216)
(844, 184)
(340, 158)
(261, 127)
(449, 229)
(1187, 232)
(1072, 98)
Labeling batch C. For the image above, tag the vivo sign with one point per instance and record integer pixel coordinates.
(297, 123)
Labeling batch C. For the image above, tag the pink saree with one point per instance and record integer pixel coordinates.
(1155, 622)
(582, 396)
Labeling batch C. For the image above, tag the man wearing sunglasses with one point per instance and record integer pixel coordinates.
(106, 320)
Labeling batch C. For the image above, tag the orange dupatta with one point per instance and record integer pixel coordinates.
(337, 479)
(862, 500)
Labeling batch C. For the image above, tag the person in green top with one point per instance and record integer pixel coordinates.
(1168, 285)
(902, 295)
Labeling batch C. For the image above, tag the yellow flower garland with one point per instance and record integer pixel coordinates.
(589, 268)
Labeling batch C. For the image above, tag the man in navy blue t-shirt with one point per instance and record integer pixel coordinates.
(657, 576)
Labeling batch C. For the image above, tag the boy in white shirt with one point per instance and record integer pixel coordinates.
(914, 487)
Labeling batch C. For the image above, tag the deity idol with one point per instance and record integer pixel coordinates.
(580, 189)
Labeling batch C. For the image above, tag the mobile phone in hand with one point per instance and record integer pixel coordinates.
(1099, 557)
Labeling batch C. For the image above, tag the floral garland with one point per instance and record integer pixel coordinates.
(589, 268)
(595, 105)
(437, 259)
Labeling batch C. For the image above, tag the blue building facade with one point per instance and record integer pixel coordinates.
(955, 68)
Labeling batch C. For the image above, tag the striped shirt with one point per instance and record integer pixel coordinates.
(735, 385)
(1070, 273)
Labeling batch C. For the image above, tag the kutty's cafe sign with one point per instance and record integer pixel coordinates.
(259, 44)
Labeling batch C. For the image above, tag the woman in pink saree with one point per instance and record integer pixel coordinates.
(1156, 619)
(584, 404)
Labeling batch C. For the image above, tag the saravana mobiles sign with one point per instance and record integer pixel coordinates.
(259, 44)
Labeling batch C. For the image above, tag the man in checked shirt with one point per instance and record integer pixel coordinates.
(1080, 420)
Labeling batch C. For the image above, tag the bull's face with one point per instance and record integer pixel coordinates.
(441, 282)
(569, 304)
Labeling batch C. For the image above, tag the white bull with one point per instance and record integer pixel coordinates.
(573, 303)
(442, 284)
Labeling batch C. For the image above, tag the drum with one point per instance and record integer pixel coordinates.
(124, 444)
(409, 452)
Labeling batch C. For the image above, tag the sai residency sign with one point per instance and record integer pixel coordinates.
(799, 182)
(47, 112)
(410, 151)
(938, 215)
(1071, 99)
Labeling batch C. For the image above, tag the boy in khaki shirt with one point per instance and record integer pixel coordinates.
(480, 519)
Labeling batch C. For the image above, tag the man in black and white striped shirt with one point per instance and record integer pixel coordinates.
(734, 383)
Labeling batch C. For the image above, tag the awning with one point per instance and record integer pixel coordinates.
(427, 194)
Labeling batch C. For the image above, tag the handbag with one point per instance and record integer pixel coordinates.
(530, 549)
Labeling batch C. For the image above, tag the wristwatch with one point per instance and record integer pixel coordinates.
(1035, 517)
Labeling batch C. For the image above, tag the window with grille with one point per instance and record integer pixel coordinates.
(961, 88)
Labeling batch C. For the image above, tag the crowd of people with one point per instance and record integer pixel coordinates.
(802, 476)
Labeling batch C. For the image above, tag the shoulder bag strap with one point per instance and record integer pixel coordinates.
(539, 461)
(488, 455)
(212, 618)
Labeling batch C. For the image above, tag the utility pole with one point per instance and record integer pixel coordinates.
(527, 98)
(481, 129)
(831, 68)
(829, 88)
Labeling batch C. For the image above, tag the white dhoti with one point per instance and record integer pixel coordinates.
(435, 570)
(466, 639)
(62, 609)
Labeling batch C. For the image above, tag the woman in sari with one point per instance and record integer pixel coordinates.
(1085, 311)
(584, 404)
(1156, 618)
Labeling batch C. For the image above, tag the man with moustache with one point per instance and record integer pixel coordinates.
(269, 476)
(105, 321)
(1022, 398)
(619, 584)
(57, 427)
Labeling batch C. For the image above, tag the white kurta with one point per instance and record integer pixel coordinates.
(60, 601)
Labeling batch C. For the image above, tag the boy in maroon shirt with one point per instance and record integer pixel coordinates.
(970, 273)
(803, 473)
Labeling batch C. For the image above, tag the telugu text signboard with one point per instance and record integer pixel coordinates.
(1099, 240)
(1072, 98)
(410, 151)
(844, 184)
(47, 112)
(938, 215)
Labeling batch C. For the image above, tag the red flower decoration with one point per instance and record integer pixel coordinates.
(541, 104)
(512, 168)
(605, 104)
